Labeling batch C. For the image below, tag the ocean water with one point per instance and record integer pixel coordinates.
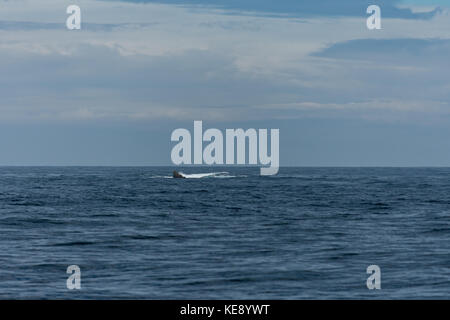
(227, 233)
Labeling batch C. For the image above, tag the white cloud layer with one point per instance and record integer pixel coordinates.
(151, 61)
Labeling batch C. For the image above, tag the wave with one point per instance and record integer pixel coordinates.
(206, 175)
(222, 174)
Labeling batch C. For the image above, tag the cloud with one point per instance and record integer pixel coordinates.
(303, 8)
(399, 51)
(410, 69)
(153, 61)
(39, 26)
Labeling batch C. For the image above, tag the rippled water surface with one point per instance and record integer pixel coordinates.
(305, 233)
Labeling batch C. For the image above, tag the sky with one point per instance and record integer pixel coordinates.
(112, 92)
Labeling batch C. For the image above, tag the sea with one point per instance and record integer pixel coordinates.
(224, 233)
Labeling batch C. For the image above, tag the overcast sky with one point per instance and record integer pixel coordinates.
(111, 93)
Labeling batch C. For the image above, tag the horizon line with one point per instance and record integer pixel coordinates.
(218, 166)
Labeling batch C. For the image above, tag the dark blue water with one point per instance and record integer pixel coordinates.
(305, 233)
